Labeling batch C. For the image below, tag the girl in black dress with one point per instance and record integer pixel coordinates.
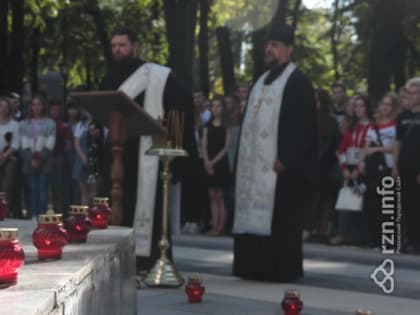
(215, 146)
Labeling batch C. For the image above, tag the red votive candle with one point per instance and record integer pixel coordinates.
(100, 212)
(78, 224)
(291, 304)
(4, 208)
(194, 289)
(50, 236)
(11, 256)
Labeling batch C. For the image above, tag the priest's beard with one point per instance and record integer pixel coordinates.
(122, 64)
(275, 64)
(272, 64)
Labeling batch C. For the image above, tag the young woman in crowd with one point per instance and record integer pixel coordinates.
(215, 147)
(233, 118)
(80, 164)
(72, 119)
(9, 146)
(233, 123)
(349, 116)
(95, 154)
(350, 157)
(379, 144)
(194, 196)
(63, 143)
(37, 134)
(89, 139)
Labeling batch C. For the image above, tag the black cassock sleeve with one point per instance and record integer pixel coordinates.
(297, 145)
(178, 98)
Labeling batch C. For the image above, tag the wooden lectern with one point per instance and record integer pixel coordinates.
(124, 118)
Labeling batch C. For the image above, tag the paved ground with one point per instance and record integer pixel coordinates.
(336, 282)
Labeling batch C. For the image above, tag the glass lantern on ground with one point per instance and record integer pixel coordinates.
(100, 213)
(11, 256)
(292, 304)
(78, 224)
(194, 289)
(50, 236)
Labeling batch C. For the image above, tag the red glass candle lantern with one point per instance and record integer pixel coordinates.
(292, 305)
(194, 289)
(4, 208)
(78, 224)
(11, 256)
(50, 236)
(100, 213)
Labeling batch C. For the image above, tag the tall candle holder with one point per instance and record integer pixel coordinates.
(163, 273)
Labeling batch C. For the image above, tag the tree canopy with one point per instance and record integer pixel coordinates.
(369, 45)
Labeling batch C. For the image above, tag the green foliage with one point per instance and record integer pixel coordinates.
(83, 49)
(79, 42)
(312, 50)
(244, 14)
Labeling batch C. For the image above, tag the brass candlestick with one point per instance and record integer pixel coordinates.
(163, 273)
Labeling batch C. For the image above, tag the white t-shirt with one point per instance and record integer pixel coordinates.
(388, 134)
(13, 127)
(83, 126)
(205, 116)
(80, 128)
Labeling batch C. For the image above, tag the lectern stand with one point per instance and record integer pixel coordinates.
(124, 118)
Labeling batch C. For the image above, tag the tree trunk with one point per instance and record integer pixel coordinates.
(156, 47)
(203, 47)
(259, 38)
(399, 48)
(64, 67)
(414, 57)
(180, 26)
(94, 10)
(169, 8)
(334, 40)
(16, 52)
(88, 67)
(4, 8)
(400, 62)
(226, 59)
(379, 71)
(384, 47)
(36, 37)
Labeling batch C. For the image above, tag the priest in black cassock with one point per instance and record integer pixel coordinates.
(276, 159)
(154, 88)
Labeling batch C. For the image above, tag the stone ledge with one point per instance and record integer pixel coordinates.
(93, 278)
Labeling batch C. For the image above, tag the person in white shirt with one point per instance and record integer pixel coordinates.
(380, 139)
(9, 145)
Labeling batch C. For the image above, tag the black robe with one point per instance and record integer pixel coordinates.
(279, 256)
(175, 97)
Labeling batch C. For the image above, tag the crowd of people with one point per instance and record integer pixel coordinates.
(353, 134)
(49, 157)
(53, 154)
